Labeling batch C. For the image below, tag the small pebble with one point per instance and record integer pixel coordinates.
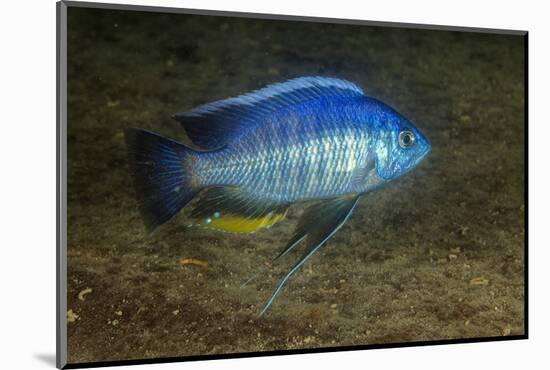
(71, 316)
(465, 119)
(83, 293)
(479, 281)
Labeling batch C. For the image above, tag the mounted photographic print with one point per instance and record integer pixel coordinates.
(236, 184)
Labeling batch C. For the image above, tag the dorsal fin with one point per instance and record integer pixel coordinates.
(212, 125)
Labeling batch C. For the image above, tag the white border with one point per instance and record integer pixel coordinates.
(28, 190)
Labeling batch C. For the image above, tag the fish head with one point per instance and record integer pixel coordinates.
(400, 146)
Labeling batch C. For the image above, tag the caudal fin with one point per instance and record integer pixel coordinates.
(161, 174)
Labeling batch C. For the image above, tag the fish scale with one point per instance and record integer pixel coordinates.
(270, 168)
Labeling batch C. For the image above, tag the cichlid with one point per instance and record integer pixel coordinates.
(307, 139)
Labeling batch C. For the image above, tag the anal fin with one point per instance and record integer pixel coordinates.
(230, 209)
(318, 223)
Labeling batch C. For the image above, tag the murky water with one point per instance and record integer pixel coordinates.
(437, 254)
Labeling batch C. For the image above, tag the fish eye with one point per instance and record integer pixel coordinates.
(406, 139)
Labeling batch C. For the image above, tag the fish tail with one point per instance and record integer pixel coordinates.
(162, 174)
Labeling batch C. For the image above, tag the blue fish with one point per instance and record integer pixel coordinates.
(308, 139)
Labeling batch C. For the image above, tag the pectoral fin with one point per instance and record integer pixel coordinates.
(318, 223)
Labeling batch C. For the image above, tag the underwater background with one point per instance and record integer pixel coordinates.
(436, 254)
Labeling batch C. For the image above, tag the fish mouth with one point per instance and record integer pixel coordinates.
(426, 152)
(422, 155)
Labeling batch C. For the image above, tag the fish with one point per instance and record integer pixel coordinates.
(317, 140)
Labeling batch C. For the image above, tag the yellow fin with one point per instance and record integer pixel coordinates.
(241, 224)
(230, 209)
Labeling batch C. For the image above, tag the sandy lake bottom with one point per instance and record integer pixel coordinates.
(437, 254)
